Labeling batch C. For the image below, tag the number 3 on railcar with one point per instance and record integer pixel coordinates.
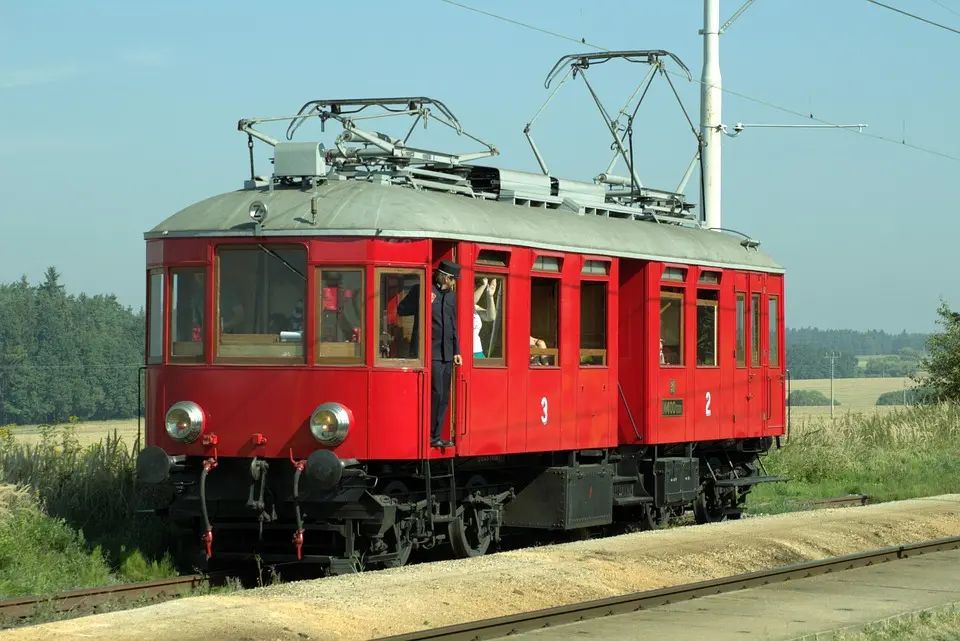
(620, 365)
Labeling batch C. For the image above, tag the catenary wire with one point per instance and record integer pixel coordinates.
(758, 101)
(940, 4)
(914, 16)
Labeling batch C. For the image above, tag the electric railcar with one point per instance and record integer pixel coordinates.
(626, 366)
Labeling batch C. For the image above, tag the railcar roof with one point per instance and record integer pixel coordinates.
(359, 208)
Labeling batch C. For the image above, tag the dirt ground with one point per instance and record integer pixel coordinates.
(378, 604)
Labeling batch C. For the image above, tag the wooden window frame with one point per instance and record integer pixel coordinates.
(290, 361)
(680, 296)
(604, 352)
(425, 284)
(186, 359)
(756, 316)
(320, 359)
(705, 302)
(740, 340)
(546, 351)
(504, 274)
(159, 358)
(773, 331)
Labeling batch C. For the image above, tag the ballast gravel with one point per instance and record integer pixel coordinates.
(377, 604)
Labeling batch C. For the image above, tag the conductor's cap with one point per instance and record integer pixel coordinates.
(449, 268)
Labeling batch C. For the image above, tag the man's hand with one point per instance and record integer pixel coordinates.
(458, 360)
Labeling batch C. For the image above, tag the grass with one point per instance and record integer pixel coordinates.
(903, 453)
(935, 625)
(83, 498)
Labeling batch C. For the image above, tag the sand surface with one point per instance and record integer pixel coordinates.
(377, 604)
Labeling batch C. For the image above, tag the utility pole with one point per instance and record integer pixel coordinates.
(711, 93)
(833, 356)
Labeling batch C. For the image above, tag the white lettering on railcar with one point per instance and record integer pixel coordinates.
(543, 405)
(708, 403)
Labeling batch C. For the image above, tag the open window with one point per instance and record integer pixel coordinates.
(339, 315)
(399, 317)
(260, 304)
(155, 316)
(544, 321)
(188, 286)
(707, 306)
(593, 323)
(489, 313)
(671, 326)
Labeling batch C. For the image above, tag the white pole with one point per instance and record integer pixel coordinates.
(710, 114)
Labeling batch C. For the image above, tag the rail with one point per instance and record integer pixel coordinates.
(500, 627)
(90, 598)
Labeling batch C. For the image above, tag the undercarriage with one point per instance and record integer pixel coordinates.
(348, 516)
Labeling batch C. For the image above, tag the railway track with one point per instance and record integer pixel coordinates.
(501, 627)
(89, 599)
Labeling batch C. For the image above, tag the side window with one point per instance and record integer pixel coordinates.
(155, 305)
(187, 306)
(489, 295)
(755, 330)
(593, 323)
(741, 349)
(707, 304)
(671, 325)
(399, 317)
(774, 320)
(260, 304)
(544, 321)
(339, 316)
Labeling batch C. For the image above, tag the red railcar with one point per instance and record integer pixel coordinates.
(628, 365)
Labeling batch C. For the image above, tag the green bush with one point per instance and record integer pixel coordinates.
(91, 490)
(805, 397)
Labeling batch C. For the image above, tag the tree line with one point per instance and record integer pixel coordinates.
(890, 355)
(66, 355)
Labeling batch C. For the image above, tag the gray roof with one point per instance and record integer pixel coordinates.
(358, 208)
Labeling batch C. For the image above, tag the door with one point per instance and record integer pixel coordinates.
(756, 364)
(776, 382)
(741, 382)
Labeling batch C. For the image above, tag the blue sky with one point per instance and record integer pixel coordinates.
(117, 114)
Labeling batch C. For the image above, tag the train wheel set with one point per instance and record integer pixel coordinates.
(617, 365)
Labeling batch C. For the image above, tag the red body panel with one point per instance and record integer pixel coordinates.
(500, 409)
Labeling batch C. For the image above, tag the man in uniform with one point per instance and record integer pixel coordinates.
(444, 344)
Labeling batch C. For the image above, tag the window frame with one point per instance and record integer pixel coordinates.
(706, 302)
(548, 275)
(594, 277)
(157, 359)
(680, 296)
(773, 331)
(740, 330)
(756, 321)
(504, 274)
(320, 359)
(186, 359)
(399, 363)
(290, 361)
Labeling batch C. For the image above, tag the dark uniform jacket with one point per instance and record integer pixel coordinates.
(445, 343)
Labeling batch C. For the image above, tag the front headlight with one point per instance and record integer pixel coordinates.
(184, 421)
(330, 423)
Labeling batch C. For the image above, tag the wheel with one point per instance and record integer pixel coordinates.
(704, 512)
(468, 533)
(402, 543)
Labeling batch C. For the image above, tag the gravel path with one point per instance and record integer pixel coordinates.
(430, 595)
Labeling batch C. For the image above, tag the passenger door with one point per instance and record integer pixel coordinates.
(756, 364)
(775, 378)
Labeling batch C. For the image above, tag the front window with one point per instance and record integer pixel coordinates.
(155, 318)
(260, 303)
(773, 317)
(340, 315)
(187, 295)
(399, 316)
